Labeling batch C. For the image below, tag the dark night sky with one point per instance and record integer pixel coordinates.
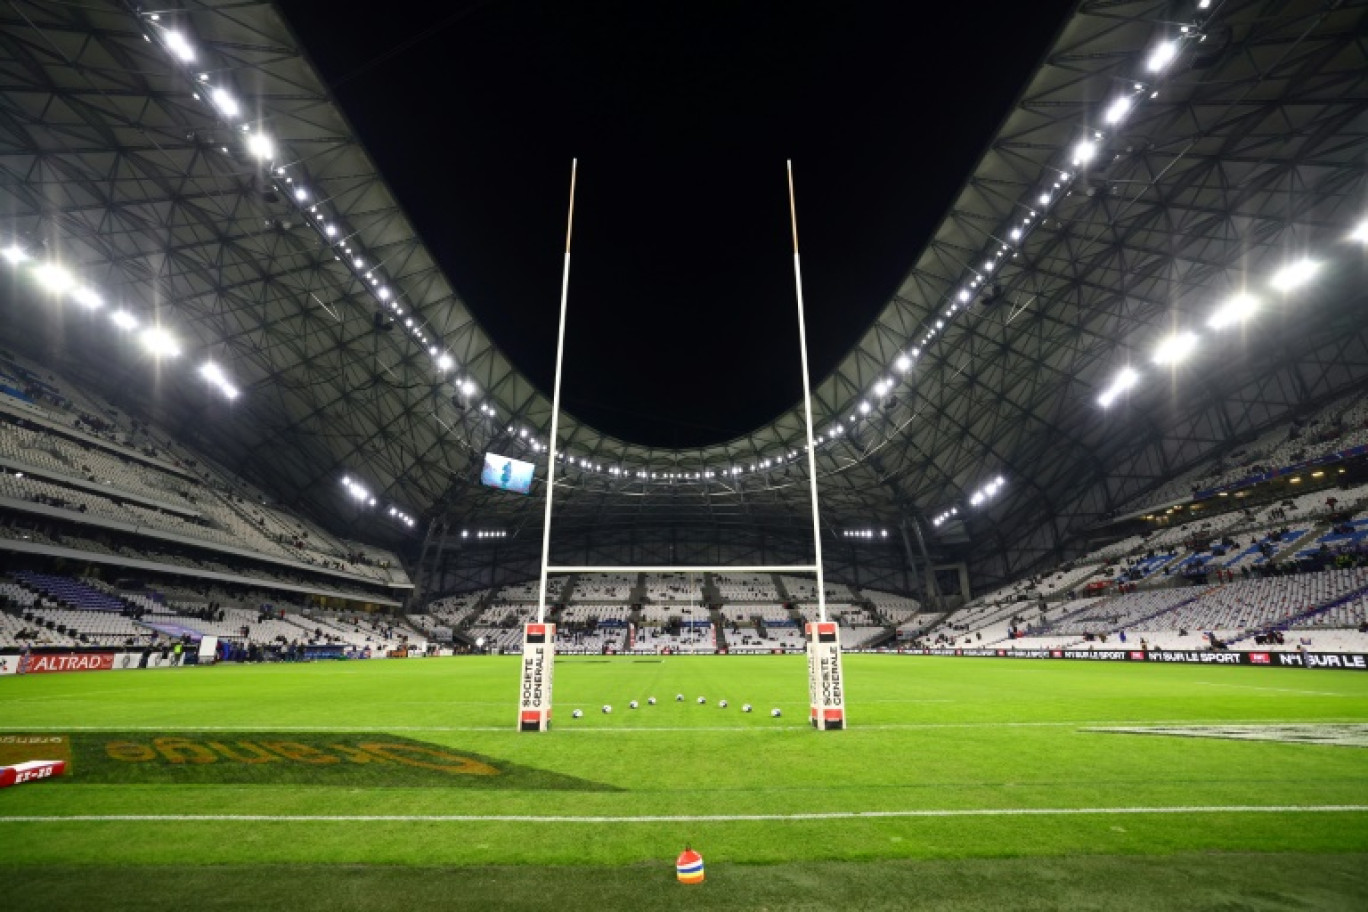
(682, 327)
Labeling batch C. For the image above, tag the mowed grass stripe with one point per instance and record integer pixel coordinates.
(1177, 882)
(683, 818)
(581, 728)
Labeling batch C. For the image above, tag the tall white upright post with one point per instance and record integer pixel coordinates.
(826, 682)
(539, 639)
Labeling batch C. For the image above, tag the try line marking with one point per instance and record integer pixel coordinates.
(678, 818)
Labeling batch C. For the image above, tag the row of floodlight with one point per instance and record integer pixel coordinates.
(987, 492)
(587, 464)
(401, 516)
(1054, 185)
(261, 146)
(346, 249)
(61, 283)
(1234, 311)
(977, 499)
(945, 516)
(864, 533)
(484, 533)
(364, 498)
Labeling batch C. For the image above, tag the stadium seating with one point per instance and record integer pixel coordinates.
(674, 587)
(1335, 427)
(749, 587)
(66, 454)
(895, 609)
(605, 587)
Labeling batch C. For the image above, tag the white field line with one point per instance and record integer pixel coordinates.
(570, 727)
(682, 818)
(1312, 693)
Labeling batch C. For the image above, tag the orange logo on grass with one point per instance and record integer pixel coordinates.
(182, 751)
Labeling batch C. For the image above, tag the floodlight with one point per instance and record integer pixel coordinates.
(15, 254)
(1360, 233)
(1117, 110)
(54, 278)
(358, 262)
(1126, 379)
(261, 146)
(1016, 234)
(87, 298)
(124, 320)
(213, 373)
(226, 103)
(882, 386)
(468, 387)
(1294, 275)
(1084, 152)
(160, 342)
(1236, 310)
(330, 230)
(1045, 199)
(179, 46)
(904, 363)
(1162, 56)
(1175, 348)
(383, 292)
(864, 408)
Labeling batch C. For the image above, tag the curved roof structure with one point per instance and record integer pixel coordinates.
(1164, 157)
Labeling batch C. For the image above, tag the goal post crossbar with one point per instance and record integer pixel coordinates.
(664, 568)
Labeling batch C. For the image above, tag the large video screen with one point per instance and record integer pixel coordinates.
(507, 474)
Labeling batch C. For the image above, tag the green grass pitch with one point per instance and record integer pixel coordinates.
(450, 806)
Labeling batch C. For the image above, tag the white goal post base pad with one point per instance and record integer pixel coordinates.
(826, 681)
(534, 685)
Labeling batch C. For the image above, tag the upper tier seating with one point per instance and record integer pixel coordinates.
(674, 587)
(745, 587)
(79, 454)
(1334, 427)
(605, 587)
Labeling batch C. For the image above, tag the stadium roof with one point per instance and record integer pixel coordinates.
(1124, 197)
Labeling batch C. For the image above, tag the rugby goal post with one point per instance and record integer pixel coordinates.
(826, 690)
